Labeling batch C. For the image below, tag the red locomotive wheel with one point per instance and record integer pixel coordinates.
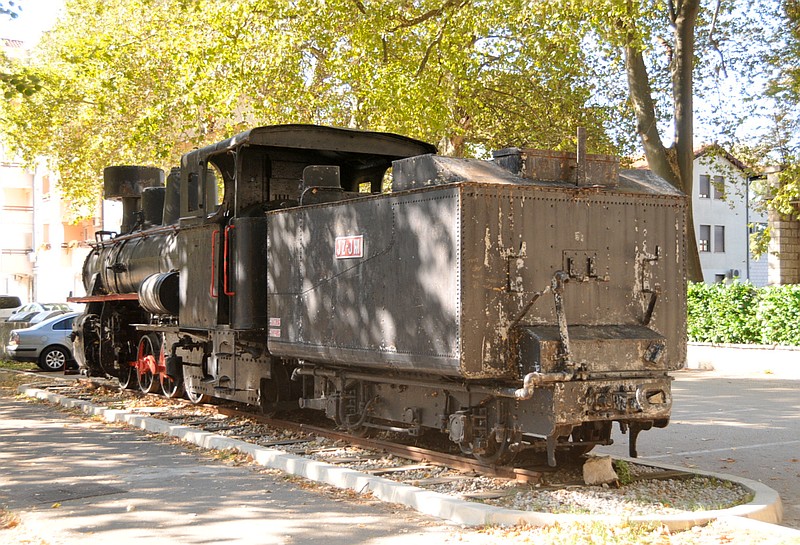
(149, 350)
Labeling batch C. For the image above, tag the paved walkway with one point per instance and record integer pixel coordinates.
(736, 424)
(82, 482)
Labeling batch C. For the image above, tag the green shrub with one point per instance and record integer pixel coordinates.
(739, 313)
(723, 313)
(779, 315)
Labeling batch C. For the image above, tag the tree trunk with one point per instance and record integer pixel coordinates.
(674, 164)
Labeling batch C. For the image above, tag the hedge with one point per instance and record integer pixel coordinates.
(739, 313)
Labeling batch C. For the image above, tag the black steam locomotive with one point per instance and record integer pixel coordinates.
(526, 302)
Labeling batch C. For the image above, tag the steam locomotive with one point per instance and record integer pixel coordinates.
(526, 302)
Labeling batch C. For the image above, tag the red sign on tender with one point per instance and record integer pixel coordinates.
(350, 247)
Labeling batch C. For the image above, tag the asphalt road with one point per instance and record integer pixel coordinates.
(745, 426)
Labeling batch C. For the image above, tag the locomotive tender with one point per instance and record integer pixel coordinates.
(522, 303)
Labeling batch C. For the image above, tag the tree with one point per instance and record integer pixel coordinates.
(781, 146)
(14, 83)
(674, 163)
(678, 53)
(143, 81)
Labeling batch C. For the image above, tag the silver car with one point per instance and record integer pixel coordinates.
(8, 305)
(26, 312)
(47, 343)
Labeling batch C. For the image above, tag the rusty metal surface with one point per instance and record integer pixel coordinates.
(104, 298)
(516, 239)
(472, 256)
(562, 166)
(601, 348)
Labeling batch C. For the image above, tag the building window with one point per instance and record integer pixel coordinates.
(704, 238)
(719, 238)
(705, 186)
(719, 278)
(719, 188)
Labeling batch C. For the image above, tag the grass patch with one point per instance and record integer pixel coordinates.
(598, 533)
(593, 533)
(18, 365)
(9, 381)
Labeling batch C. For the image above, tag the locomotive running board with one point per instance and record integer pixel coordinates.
(103, 298)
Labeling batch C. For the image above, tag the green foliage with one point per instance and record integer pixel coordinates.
(22, 83)
(623, 470)
(784, 199)
(722, 313)
(779, 315)
(739, 313)
(781, 99)
(141, 82)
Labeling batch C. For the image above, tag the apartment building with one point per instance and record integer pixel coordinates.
(726, 211)
(16, 229)
(60, 244)
(41, 249)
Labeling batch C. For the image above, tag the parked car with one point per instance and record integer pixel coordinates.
(8, 304)
(47, 343)
(42, 316)
(26, 312)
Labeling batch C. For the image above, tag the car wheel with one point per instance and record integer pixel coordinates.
(53, 358)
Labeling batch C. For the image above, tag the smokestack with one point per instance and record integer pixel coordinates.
(126, 184)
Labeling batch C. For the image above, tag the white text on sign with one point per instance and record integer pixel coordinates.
(350, 247)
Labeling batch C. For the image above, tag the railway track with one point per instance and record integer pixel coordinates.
(408, 452)
(534, 488)
(303, 438)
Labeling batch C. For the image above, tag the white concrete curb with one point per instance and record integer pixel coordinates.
(765, 506)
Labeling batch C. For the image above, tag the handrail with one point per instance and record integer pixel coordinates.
(212, 290)
(225, 285)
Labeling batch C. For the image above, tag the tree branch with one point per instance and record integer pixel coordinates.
(360, 6)
(646, 122)
(671, 11)
(682, 69)
(428, 50)
(406, 23)
(714, 42)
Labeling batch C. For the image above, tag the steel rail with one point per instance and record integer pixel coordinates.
(410, 452)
